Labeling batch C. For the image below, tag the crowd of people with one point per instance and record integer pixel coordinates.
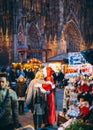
(37, 90)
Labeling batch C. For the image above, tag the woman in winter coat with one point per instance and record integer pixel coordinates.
(20, 90)
(36, 98)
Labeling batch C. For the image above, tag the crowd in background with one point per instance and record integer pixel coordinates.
(20, 79)
(78, 93)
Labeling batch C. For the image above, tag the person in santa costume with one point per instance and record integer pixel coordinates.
(48, 86)
(51, 113)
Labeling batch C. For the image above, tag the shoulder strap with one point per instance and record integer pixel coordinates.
(3, 103)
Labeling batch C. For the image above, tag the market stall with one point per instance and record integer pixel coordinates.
(30, 64)
(75, 70)
(33, 64)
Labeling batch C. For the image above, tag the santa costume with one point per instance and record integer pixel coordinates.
(51, 113)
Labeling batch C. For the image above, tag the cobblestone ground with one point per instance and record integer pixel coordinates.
(27, 118)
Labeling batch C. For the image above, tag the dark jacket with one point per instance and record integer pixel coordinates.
(21, 89)
(11, 108)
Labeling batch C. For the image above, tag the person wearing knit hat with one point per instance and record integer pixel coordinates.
(20, 90)
(21, 78)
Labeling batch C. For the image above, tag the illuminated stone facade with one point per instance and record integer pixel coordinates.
(45, 27)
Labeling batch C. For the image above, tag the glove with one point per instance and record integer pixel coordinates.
(53, 86)
(47, 92)
(49, 82)
(38, 85)
(42, 90)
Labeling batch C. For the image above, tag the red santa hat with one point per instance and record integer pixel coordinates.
(47, 71)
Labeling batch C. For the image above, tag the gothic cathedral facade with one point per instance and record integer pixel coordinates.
(44, 28)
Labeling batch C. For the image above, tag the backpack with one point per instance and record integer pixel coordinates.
(31, 104)
(2, 105)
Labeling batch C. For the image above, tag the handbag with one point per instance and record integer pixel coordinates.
(31, 104)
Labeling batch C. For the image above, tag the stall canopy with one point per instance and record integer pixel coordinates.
(88, 55)
(34, 61)
(22, 48)
(59, 57)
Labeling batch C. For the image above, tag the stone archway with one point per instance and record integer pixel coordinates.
(33, 41)
(71, 39)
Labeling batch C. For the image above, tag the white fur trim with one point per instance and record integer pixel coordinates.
(53, 86)
(45, 72)
(49, 82)
(43, 90)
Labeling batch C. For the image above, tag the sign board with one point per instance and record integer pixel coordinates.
(76, 58)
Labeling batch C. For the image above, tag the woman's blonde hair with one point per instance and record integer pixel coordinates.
(39, 75)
